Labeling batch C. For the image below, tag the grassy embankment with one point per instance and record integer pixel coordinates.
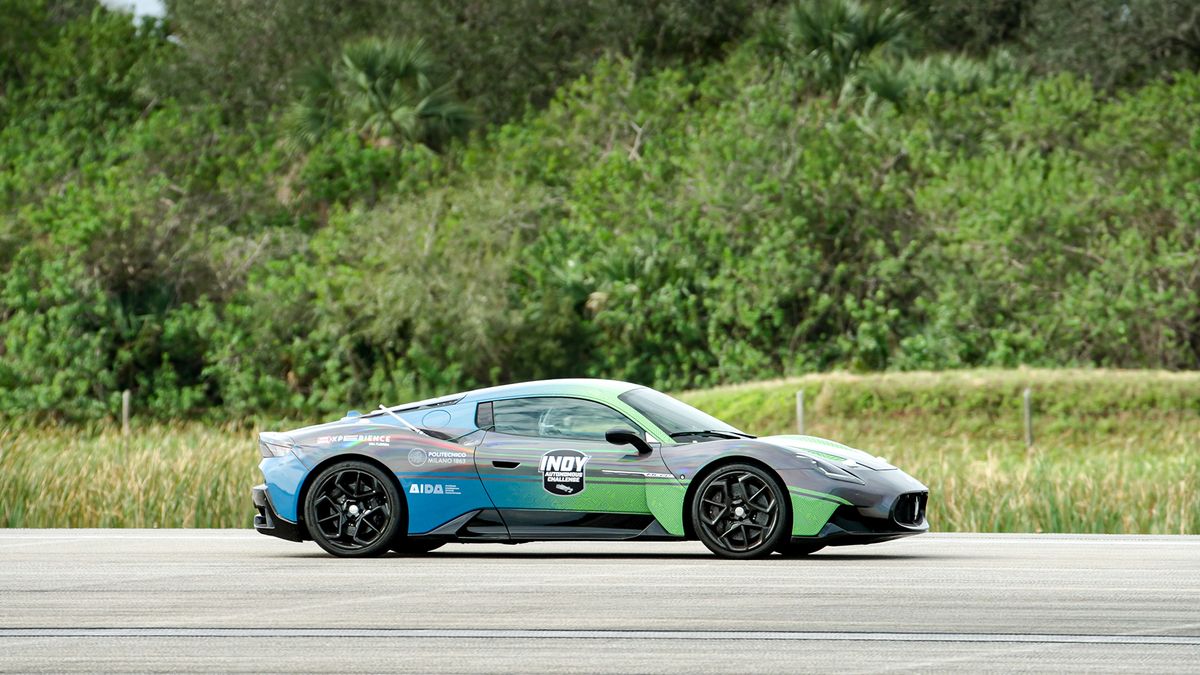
(1115, 452)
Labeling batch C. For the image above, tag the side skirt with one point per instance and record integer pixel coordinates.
(525, 525)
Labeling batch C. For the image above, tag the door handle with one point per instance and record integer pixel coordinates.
(505, 464)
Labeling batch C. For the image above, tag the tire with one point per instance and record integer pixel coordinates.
(353, 510)
(416, 546)
(740, 511)
(797, 549)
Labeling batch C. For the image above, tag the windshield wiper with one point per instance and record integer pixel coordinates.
(711, 432)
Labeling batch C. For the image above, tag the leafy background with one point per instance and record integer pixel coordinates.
(289, 207)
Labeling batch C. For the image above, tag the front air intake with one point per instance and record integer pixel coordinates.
(909, 509)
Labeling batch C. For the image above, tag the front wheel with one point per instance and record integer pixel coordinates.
(353, 510)
(740, 511)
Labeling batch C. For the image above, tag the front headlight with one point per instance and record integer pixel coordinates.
(829, 469)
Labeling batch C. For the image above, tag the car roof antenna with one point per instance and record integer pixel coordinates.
(401, 420)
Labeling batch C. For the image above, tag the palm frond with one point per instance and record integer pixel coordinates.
(833, 38)
(392, 89)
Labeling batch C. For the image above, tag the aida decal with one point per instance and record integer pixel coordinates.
(434, 489)
(563, 472)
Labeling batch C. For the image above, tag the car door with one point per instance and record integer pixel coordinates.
(547, 468)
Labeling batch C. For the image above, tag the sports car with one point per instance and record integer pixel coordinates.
(574, 459)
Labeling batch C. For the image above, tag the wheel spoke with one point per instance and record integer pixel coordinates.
(739, 488)
(714, 518)
(768, 508)
(758, 493)
(728, 532)
(366, 485)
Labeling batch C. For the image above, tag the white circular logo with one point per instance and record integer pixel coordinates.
(417, 457)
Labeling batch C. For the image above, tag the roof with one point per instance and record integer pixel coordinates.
(592, 388)
(582, 387)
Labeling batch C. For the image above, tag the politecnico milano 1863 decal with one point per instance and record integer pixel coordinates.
(572, 459)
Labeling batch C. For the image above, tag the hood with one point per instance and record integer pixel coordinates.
(828, 450)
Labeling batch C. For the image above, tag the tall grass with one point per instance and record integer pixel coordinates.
(170, 475)
(1115, 452)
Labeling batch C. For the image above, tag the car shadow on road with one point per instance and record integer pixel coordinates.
(590, 555)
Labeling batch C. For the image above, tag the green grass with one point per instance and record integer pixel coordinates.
(176, 475)
(1114, 452)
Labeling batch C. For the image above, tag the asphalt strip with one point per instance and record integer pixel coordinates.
(484, 634)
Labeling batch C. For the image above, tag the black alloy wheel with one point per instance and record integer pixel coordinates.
(353, 510)
(740, 511)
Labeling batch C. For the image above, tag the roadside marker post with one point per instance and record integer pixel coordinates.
(800, 412)
(126, 403)
(1028, 405)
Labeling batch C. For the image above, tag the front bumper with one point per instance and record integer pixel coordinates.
(267, 521)
(851, 525)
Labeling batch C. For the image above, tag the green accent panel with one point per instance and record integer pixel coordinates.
(665, 499)
(818, 495)
(810, 514)
(826, 455)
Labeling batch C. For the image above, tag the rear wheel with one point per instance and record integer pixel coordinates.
(353, 510)
(740, 511)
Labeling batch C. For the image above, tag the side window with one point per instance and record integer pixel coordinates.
(553, 417)
(483, 415)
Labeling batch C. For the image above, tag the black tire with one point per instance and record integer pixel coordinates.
(797, 549)
(741, 512)
(415, 546)
(353, 510)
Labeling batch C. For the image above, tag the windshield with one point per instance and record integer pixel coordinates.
(672, 416)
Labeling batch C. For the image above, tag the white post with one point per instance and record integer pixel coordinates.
(1028, 400)
(800, 412)
(126, 403)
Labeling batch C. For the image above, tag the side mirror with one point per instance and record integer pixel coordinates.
(628, 437)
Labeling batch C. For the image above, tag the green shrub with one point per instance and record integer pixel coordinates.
(680, 224)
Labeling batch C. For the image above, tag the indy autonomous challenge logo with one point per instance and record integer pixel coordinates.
(563, 472)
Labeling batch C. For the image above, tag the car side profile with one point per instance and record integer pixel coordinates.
(575, 459)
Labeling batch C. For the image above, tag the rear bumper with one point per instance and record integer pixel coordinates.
(267, 521)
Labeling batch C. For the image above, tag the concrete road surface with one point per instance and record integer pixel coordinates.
(236, 601)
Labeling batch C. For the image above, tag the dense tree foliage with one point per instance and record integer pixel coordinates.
(272, 206)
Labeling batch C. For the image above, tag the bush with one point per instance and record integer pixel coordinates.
(680, 226)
